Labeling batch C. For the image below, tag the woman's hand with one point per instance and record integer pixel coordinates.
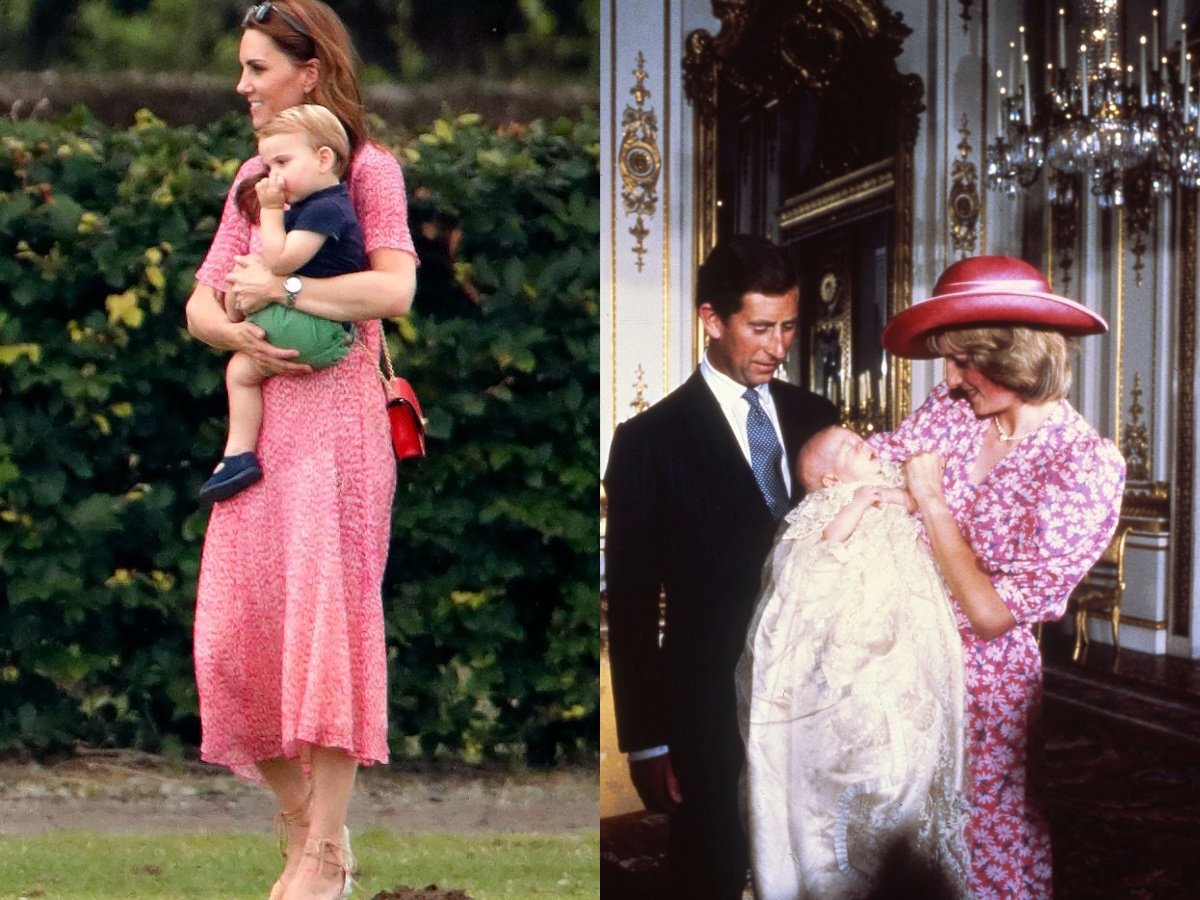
(925, 472)
(253, 285)
(251, 340)
(207, 321)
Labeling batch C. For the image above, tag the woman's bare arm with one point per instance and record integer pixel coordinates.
(208, 322)
(381, 292)
(964, 575)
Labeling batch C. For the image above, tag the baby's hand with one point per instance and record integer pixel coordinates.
(868, 495)
(272, 192)
(898, 496)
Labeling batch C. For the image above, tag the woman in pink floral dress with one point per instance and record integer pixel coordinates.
(1018, 497)
(289, 636)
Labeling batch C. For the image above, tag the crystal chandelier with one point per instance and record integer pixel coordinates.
(1097, 120)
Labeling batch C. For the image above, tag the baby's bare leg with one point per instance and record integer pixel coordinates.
(243, 383)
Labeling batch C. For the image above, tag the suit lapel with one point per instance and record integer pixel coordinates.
(715, 448)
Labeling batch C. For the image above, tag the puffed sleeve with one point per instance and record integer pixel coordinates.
(920, 432)
(377, 192)
(1078, 505)
(232, 237)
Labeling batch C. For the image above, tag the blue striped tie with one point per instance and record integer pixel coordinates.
(765, 456)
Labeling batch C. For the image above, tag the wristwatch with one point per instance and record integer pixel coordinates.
(291, 288)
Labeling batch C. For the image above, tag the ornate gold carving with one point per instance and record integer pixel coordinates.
(963, 204)
(1147, 502)
(767, 49)
(1139, 217)
(639, 160)
(1185, 411)
(1064, 220)
(639, 402)
(1135, 441)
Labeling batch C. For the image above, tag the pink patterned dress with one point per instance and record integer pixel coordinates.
(1040, 519)
(289, 636)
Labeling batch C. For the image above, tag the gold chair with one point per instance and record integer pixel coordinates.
(1101, 590)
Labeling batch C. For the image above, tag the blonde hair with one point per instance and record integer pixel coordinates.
(1033, 363)
(320, 124)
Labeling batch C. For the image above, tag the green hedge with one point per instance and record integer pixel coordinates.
(111, 416)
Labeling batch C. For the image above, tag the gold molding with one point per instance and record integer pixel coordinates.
(767, 51)
(1181, 526)
(612, 208)
(851, 188)
(1118, 406)
(706, 201)
(1135, 437)
(1126, 619)
(639, 159)
(639, 403)
(962, 207)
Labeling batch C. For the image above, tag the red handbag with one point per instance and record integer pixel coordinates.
(404, 412)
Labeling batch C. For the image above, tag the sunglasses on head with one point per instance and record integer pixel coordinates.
(260, 11)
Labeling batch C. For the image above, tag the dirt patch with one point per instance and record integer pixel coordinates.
(126, 791)
(429, 893)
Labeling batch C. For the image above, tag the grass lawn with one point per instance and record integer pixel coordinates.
(92, 866)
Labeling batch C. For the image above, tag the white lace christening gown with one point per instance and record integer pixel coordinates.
(850, 693)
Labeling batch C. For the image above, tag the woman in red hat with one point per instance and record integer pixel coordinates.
(1019, 496)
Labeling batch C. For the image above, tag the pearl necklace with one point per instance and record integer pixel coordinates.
(1007, 438)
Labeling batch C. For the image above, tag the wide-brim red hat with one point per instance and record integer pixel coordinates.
(986, 290)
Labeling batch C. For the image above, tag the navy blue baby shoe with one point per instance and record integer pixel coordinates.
(233, 474)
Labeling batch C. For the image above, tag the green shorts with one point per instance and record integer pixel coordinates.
(321, 342)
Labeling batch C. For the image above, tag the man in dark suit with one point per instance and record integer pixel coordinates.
(696, 487)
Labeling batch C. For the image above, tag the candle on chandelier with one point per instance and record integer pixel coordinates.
(1083, 78)
(1183, 55)
(1187, 88)
(1142, 69)
(1027, 91)
(1154, 38)
(1062, 38)
(1000, 104)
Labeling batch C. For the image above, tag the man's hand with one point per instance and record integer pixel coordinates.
(655, 782)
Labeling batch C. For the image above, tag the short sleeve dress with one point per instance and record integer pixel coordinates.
(289, 634)
(1037, 523)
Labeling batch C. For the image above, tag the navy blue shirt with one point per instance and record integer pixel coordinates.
(329, 212)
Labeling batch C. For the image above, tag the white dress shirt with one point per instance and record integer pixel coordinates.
(736, 408)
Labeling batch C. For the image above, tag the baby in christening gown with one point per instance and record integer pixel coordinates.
(850, 693)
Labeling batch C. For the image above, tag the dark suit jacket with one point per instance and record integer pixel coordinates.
(685, 514)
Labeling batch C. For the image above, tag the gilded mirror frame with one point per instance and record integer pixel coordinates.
(771, 49)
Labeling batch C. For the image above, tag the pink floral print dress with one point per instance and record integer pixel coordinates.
(1038, 521)
(289, 634)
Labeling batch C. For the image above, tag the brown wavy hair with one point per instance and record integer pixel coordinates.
(338, 88)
